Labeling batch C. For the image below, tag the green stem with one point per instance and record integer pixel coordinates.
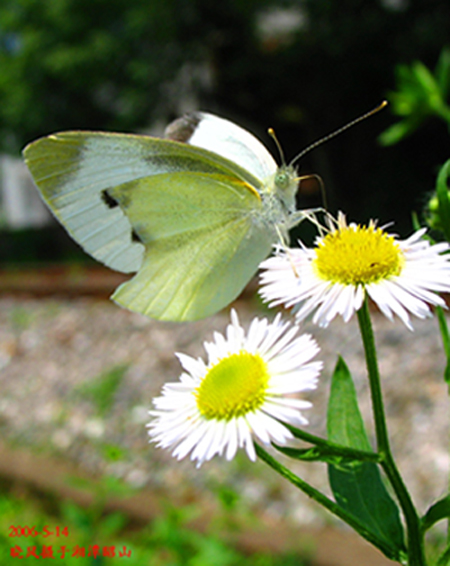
(323, 500)
(328, 448)
(416, 555)
(446, 343)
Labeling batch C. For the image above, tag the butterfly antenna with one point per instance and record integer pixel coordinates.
(319, 179)
(272, 134)
(338, 131)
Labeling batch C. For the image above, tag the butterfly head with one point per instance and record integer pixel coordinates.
(285, 185)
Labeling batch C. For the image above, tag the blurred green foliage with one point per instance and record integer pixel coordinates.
(168, 541)
(420, 94)
(122, 64)
(423, 94)
(437, 211)
(99, 63)
(101, 390)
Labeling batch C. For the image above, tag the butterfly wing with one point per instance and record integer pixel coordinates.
(203, 242)
(71, 170)
(185, 218)
(224, 138)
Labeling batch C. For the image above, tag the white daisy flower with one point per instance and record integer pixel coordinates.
(401, 276)
(244, 390)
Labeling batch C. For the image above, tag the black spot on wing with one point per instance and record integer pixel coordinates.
(135, 237)
(111, 202)
(181, 130)
(108, 199)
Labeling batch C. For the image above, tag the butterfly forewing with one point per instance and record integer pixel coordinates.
(226, 139)
(73, 169)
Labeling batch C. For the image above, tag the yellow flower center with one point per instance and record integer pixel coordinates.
(358, 255)
(234, 386)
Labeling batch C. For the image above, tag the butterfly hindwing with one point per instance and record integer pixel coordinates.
(201, 248)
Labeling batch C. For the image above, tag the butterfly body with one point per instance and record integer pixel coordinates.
(192, 215)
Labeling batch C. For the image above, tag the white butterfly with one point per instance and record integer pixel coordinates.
(193, 215)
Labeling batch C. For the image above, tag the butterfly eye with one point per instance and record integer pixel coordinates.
(286, 179)
(282, 179)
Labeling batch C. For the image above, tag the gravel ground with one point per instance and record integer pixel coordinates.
(51, 350)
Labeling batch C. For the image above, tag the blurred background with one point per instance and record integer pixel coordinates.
(74, 372)
(302, 67)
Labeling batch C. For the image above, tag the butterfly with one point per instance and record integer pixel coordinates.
(191, 215)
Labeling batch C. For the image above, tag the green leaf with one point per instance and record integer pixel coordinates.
(394, 133)
(329, 453)
(442, 72)
(345, 425)
(399, 130)
(445, 335)
(357, 486)
(438, 511)
(444, 559)
(426, 80)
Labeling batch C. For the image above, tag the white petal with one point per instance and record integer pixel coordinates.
(178, 424)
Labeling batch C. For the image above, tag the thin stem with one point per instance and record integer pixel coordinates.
(416, 555)
(325, 501)
(328, 447)
(446, 343)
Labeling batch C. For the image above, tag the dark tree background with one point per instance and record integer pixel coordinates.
(118, 65)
